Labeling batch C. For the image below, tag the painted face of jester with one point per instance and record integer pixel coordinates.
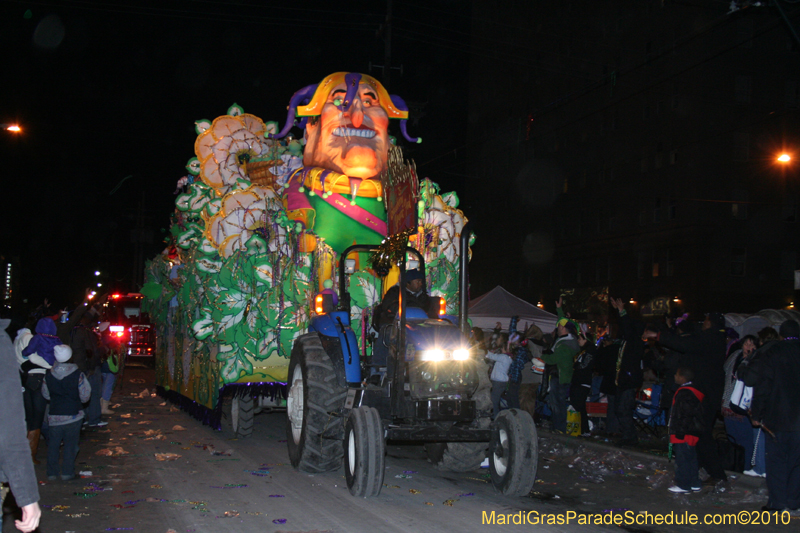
(354, 142)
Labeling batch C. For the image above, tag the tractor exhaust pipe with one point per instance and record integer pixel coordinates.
(463, 279)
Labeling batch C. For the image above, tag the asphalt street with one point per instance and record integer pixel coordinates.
(154, 469)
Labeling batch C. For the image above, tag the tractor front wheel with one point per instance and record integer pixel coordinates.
(513, 452)
(365, 451)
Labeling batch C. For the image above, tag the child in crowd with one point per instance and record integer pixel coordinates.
(685, 426)
(499, 376)
(67, 389)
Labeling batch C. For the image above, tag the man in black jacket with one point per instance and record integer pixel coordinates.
(776, 398)
(581, 386)
(629, 373)
(86, 353)
(704, 353)
(415, 296)
(607, 355)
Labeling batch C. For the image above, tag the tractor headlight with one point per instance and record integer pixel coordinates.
(460, 354)
(431, 355)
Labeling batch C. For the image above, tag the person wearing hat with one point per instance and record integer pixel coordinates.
(384, 314)
(67, 389)
(414, 294)
(35, 358)
(562, 355)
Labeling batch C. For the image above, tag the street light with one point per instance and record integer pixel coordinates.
(14, 128)
(784, 158)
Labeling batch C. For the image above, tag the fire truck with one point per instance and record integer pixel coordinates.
(131, 327)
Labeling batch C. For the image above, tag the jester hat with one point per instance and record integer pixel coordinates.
(308, 101)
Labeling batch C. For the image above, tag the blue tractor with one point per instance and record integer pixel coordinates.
(343, 405)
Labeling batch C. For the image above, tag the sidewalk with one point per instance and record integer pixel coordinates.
(601, 444)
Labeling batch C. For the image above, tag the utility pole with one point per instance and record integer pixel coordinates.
(787, 21)
(138, 241)
(386, 31)
(387, 47)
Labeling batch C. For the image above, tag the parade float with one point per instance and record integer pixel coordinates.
(259, 223)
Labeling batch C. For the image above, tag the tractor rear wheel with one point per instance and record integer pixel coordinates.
(313, 406)
(514, 452)
(365, 451)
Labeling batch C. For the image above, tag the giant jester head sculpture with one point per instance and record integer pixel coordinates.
(346, 120)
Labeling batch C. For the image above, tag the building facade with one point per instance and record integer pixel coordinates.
(632, 145)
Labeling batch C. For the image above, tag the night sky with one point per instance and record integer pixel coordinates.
(107, 94)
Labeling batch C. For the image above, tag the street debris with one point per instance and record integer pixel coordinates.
(167, 456)
(112, 452)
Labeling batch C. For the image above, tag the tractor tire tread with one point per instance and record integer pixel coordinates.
(322, 449)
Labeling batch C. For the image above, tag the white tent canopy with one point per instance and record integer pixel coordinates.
(499, 305)
(752, 324)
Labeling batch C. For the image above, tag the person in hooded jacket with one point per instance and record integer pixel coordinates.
(37, 357)
(685, 426)
(67, 389)
(16, 467)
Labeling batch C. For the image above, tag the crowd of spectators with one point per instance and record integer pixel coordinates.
(701, 360)
(52, 388)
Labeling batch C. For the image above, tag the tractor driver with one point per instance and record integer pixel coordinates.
(415, 295)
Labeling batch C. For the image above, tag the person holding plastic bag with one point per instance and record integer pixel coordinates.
(737, 419)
